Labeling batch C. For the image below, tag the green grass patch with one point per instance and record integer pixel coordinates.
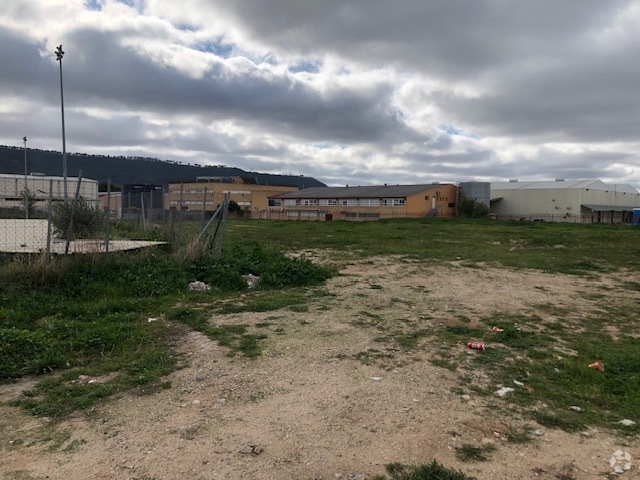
(88, 315)
(471, 453)
(428, 471)
(532, 352)
(234, 337)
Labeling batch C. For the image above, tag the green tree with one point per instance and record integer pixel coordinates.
(472, 208)
(235, 208)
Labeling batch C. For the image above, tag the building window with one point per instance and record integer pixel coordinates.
(369, 202)
(327, 202)
(451, 205)
(393, 202)
(308, 214)
(349, 202)
(290, 202)
(292, 214)
(309, 202)
(237, 192)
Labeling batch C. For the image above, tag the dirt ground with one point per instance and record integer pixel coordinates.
(308, 409)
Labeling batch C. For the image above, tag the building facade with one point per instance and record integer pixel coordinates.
(575, 201)
(365, 203)
(12, 189)
(207, 193)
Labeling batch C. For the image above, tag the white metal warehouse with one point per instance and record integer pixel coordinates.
(579, 201)
(12, 188)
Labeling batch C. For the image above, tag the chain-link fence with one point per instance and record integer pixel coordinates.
(40, 219)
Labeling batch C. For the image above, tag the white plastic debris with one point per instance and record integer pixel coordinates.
(620, 462)
(199, 286)
(252, 280)
(376, 379)
(152, 319)
(520, 384)
(503, 391)
(575, 408)
(626, 422)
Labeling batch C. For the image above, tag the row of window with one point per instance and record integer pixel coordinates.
(208, 202)
(209, 191)
(347, 202)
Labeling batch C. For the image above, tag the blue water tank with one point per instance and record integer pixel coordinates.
(636, 216)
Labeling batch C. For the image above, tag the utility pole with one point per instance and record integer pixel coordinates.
(59, 55)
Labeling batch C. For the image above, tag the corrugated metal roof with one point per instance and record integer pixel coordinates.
(609, 208)
(383, 191)
(545, 185)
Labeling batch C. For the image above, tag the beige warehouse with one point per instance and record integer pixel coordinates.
(576, 201)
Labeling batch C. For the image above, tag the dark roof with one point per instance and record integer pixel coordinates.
(609, 208)
(377, 191)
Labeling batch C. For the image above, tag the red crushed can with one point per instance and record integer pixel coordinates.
(476, 346)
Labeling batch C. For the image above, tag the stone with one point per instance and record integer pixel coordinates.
(504, 391)
(247, 449)
(466, 397)
(199, 287)
(626, 422)
(575, 408)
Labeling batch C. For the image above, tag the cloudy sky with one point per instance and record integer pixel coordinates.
(357, 92)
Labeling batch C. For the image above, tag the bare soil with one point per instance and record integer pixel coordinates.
(308, 408)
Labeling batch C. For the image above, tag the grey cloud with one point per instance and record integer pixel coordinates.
(452, 38)
(588, 98)
(113, 76)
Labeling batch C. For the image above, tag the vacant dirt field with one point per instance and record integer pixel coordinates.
(312, 407)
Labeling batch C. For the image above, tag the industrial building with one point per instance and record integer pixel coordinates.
(207, 193)
(12, 190)
(575, 201)
(365, 203)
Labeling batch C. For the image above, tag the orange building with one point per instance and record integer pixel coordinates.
(208, 192)
(365, 203)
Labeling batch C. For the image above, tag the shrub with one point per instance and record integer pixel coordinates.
(87, 220)
(472, 208)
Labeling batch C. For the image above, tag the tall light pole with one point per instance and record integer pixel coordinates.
(59, 55)
(26, 190)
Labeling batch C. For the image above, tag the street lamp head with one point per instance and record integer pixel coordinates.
(59, 53)
(24, 139)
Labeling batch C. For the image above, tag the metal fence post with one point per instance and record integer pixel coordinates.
(73, 212)
(180, 213)
(142, 215)
(50, 208)
(204, 209)
(108, 229)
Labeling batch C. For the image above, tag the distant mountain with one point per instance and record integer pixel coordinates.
(122, 170)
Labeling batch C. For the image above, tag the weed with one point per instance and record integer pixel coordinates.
(471, 453)
(519, 435)
(429, 471)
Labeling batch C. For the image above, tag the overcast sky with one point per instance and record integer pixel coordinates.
(358, 92)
